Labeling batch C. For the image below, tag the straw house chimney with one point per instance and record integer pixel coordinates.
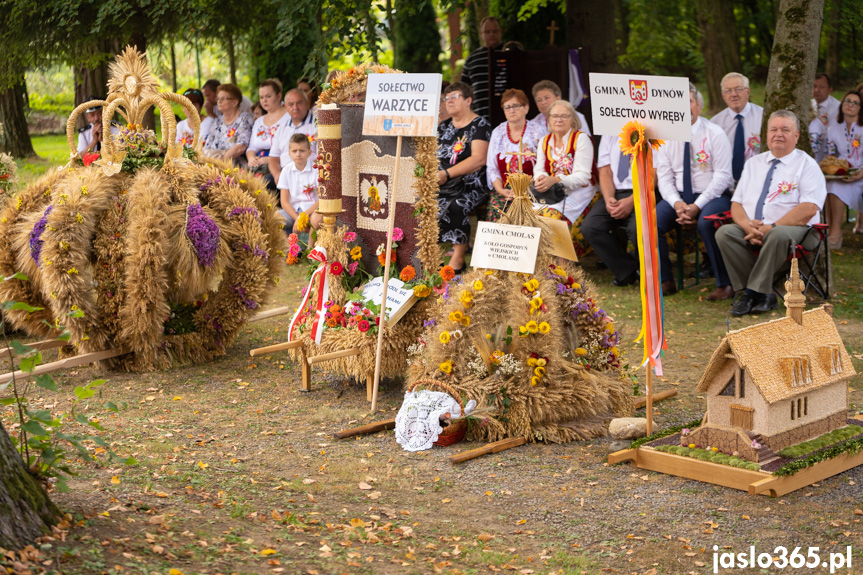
(795, 301)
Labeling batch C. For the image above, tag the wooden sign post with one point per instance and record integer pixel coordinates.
(656, 108)
(398, 105)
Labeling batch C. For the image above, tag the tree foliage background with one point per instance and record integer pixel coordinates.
(271, 38)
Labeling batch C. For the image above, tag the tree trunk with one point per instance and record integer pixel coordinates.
(232, 56)
(14, 138)
(831, 59)
(455, 46)
(592, 25)
(173, 67)
(793, 63)
(719, 46)
(371, 35)
(26, 512)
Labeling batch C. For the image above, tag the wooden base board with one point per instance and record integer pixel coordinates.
(753, 482)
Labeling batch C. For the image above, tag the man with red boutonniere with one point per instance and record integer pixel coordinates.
(777, 199)
(694, 180)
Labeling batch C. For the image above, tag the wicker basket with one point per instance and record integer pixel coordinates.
(453, 433)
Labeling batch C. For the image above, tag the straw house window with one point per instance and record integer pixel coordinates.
(799, 407)
(728, 390)
(831, 359)
(796, 370)
(742, 382)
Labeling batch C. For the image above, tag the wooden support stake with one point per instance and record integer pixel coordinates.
(67, 362)
(366, 429)
(277, 347)
(334, 355)
(501, 445)
(37, 345)
(649, 402)
(640, 402)
(277, 311)
(390, 225)
(370, 386)
(307, 376)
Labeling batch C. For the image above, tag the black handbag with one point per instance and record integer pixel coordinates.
(452, 188)
(554, 195)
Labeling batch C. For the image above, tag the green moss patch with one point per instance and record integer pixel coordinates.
(710, 456)
(821, 442)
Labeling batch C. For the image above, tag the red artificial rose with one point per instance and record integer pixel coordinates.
(90, 157)
(336, 269)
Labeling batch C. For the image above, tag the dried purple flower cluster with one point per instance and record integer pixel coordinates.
(243, 293)
(36, 235)
(210, 183)
(238, 211)
(203, 232)
(254, 250)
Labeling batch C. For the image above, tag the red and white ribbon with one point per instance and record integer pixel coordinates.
(319, 255)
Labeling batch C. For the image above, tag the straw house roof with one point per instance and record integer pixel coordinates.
(763, 350)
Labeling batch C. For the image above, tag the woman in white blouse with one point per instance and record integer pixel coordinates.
(509, 140)
(265, 127)
(564, 188)
(185, 133)
(844, 139)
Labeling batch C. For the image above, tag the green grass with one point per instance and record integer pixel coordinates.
(52, 151)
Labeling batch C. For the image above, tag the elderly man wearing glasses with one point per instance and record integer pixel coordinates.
(741, 120)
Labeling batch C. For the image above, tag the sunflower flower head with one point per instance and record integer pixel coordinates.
(632, 138)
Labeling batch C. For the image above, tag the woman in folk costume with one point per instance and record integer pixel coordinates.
(844, 138)
(509, 141)
(564, 187)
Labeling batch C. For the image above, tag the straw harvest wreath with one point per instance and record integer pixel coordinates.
(534, 351)
(351, 321)
(148, 246)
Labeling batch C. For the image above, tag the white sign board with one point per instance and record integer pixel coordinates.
(505, 247)
(659, 103)
(398, 300)
(402, 105)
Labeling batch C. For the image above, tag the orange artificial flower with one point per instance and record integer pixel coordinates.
(408, 273)
(447, 273)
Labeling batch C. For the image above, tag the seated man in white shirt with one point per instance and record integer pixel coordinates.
(90, 136)
(777, 198)
(612, 211)
(741, 120)
(825, 108)
(694, 179)
(301, 121)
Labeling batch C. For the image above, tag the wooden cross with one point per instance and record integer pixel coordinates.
(553, 28)
(521, 154)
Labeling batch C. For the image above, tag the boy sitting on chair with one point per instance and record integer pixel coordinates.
(298, 184)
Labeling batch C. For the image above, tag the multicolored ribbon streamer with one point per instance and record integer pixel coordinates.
(648, 254)
(318, 254)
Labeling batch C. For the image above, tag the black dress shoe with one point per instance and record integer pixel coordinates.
(765, 303)
(628, 280)
(743, 304)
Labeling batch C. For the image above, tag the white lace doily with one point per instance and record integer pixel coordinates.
(418, 420)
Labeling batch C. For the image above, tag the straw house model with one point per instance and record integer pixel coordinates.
(775, 384)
